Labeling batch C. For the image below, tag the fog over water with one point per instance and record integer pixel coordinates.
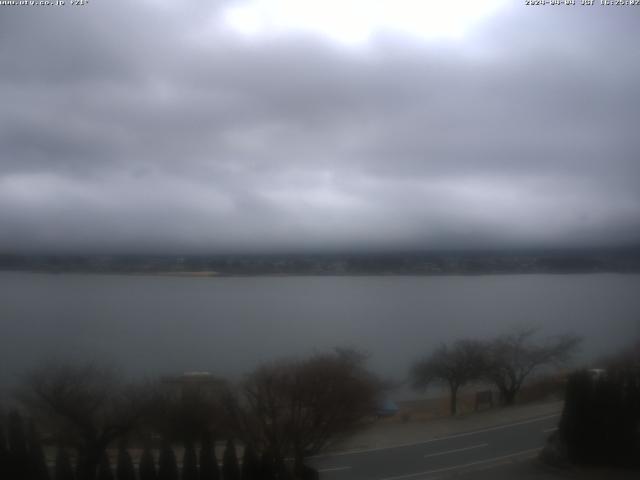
(150, 325)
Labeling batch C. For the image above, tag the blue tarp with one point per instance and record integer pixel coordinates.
(387, 408)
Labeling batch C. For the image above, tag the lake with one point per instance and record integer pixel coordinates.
(155, 324)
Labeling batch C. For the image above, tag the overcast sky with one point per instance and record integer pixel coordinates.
(253, 125)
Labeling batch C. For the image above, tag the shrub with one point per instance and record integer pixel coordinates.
(63, 470)
(104, 469)
(250, 464)
(601, 417)
(124, 468)
(167, 465)
(18, 464)
(230, 468)
(208, 461)
(147, 466)
(37, 462)
(189, 463)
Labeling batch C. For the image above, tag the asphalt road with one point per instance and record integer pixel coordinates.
(442, 456)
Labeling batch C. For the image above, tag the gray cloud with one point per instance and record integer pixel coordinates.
(145, 127)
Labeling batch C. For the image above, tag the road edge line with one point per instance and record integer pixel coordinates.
(438, 439)
(464, 465)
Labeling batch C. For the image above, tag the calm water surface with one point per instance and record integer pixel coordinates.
(152, 324)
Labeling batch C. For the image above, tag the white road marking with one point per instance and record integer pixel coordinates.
(456, 450)
(424, 442)
(464, 465)
(333, 469)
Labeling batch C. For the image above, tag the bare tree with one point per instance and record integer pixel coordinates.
(87, 407)
(298, 407)
(187, 412)
(512, 358)
(455, 366)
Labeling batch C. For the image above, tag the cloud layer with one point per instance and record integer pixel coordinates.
(153, 127)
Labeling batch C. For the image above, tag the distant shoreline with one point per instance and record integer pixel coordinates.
(213, 274)
(334, 264)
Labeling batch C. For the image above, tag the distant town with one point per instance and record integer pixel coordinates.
(623, 260)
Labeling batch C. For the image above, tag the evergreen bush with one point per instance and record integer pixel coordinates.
(147, 466)
(230, 468)
(124, 467)
(189, 462)
(167, 465)
(208, 461)
(63, 469)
